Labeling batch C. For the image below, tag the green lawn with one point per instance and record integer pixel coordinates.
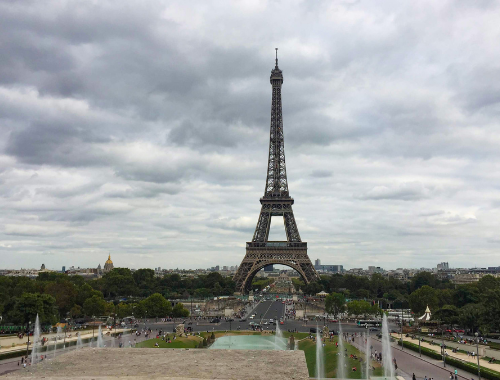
(330, 352)
(189, 342)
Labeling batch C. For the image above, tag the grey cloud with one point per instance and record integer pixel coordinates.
(406, 192)
(147, 128)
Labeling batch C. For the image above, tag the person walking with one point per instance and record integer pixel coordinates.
(413, 377)
(456, 374)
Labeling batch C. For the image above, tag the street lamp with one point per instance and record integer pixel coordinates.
(419, 339)
(477, 352)
(402, 343)
(28, 343)
(442, 345)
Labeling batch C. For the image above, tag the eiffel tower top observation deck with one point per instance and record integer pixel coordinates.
(275, 202)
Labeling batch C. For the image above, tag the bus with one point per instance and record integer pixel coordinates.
(368, 323)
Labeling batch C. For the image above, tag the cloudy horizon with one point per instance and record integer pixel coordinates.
(143, 131)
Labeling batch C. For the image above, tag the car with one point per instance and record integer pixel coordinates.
(243, 320)
(282, 323)
(215, 320)
(271, 320)
(230, 320)
(266, 323)
(314, 330)
(250, 317)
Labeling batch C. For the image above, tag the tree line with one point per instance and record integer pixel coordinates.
(121, 292)
(475, 306)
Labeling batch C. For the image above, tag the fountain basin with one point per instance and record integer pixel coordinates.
(249, 342)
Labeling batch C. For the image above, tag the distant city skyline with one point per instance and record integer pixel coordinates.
(144, 132)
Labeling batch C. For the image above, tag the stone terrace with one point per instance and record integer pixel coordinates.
(155, 363)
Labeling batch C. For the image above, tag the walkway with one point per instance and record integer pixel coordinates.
(457, 355)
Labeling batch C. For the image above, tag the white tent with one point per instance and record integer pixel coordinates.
(427, 315)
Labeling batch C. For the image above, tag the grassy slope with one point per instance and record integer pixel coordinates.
(330, 352)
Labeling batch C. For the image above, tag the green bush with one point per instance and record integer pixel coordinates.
(205, 342)
(426, 351)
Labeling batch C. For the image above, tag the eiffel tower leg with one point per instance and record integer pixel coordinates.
(292, 232)
(263, 224)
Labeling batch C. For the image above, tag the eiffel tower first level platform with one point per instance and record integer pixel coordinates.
(275, 202)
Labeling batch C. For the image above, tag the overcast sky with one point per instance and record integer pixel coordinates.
(141, 129)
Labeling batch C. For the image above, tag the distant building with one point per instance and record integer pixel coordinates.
(269, 268)
(63, 269)
(108, 265)
(317, 263)
(42, 267)
(443, 266)
(329, 268)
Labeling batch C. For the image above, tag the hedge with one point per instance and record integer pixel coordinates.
(466, 366)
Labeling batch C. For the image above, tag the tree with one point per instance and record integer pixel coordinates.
(30, 304)
(466, 294)
(335, 304)
(312, 288)
(64, 293)
(145, 281)
(94, 306)
(423, 279)
(489, 318)
(469, 315)
(119, 282)
(123, 310)
(180, 311)
(488, 283)
(448, 315)
(157, 306)
(85, 292)
(76, 311)
(423, 297)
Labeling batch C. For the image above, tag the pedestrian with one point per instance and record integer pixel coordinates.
(414, 377)
(456, 374)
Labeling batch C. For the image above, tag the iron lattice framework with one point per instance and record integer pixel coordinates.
(275, 202)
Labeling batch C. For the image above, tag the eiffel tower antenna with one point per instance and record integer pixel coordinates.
(276, 202)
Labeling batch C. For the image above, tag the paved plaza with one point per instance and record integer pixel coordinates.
(151, 363)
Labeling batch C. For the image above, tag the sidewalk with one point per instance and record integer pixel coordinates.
(20, 344)
(456, 355)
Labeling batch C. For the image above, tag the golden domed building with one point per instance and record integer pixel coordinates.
(108, 265)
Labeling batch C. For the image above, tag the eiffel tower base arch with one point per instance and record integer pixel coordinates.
(258, 255)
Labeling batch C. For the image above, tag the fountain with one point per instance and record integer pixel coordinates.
(320, 366)
(279, 341)
(100, 341)
(79, 343)
(386, 350)
(54, 350)
(341, 358)
(368, 353)
(35, 350)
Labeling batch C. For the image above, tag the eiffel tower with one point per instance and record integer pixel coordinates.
(276, 202)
